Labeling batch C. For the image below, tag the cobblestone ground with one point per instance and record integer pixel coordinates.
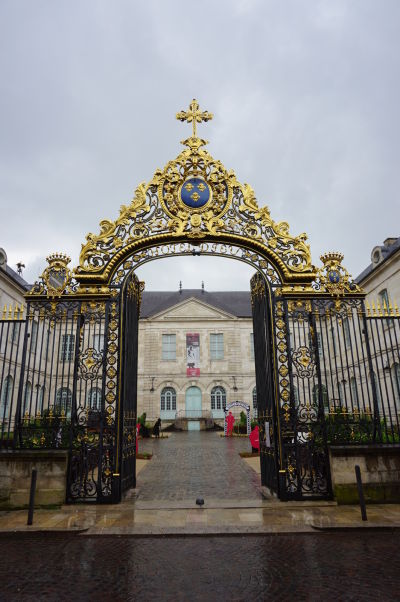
(321, 567)
(197, 463)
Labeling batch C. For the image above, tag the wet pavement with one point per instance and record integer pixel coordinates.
(192, 464)
(314, 567)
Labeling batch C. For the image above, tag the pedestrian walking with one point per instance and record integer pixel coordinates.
(157, 427)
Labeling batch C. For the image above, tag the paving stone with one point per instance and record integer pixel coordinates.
(193, 464)
(315, 567)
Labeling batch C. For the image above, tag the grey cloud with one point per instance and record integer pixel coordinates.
(305, 96)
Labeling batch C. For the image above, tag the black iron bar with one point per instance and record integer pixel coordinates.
(32, 497)
(361, 493)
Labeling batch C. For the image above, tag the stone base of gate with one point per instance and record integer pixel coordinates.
(15, 478)
(380, 473)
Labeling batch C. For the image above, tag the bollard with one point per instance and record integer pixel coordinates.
(32, 496)
(361, 493)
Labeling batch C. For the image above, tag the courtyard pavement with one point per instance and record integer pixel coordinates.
(190, 465)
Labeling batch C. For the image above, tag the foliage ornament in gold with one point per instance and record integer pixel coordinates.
(56, 278)
(333, 277)
(194, 198)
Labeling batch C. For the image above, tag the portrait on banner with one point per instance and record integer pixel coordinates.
(192, 354)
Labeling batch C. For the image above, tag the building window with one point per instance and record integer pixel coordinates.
(15, 332)
(333, 340)
(384, 299)
(63, 401)
(27, 397)
(218, 398)
(346, 331)
(372, 377)
(98, 342)
(252, 345)
(354, 390)
(318, 341)
(396, 380)
(67, 347)
(217, 346)
(341, 392)
(94, 399)
(6, 395)
(384, 302)
(255, 406)
(41, 392)
(34, 333)
(168, 399)
(169, 347)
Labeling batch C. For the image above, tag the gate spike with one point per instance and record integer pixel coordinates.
(373, 308)
(368, 308)
(10, 312)
(396, 308)
(390, 307)
(385, 308)
(4, 312)
(16, 312)
(21, 311)
(378, 305)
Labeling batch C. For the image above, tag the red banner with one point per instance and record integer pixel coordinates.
(192, 354)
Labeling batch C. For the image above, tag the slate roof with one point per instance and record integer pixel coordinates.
(236, 303)
(387, 251)
(17, 278)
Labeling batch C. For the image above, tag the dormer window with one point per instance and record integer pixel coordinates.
(376, 255)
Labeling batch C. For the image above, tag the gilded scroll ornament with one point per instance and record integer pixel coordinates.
(193, 197)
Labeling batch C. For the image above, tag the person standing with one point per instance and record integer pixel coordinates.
(230, 421)
(157, 427)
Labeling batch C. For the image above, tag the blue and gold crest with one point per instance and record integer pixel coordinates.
(195, 192)
(334, 276)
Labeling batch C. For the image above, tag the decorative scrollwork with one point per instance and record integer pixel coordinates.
(195, 197)
(303, 360)
(89, 364)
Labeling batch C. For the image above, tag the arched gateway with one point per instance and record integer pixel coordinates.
(88, 319)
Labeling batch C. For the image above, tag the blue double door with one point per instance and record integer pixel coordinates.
(193, 404)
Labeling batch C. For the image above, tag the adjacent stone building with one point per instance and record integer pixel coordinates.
(381, 278)
(196, 352)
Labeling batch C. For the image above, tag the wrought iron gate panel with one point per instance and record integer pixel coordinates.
(360, 378)
(12, 336)
(305, 454)
(263, 355)
(128, 402)
(92, 435)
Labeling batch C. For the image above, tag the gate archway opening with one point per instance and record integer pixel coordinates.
(196, 206)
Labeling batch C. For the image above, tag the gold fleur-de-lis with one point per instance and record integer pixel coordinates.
(201, 187)
(189, 186)
(195, 196)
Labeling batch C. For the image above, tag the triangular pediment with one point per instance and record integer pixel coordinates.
(193, 309)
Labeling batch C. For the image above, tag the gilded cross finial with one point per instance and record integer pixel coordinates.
(194, 115)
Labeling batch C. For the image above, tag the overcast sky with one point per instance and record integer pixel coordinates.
(305, 96)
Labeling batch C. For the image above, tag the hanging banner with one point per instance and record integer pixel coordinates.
(192, 354)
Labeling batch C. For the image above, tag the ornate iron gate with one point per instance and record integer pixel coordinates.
(328, 369)
(265, 382)
(128, 401)
(293, 446)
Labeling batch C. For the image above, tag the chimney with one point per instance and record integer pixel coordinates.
(202, 286)
(389, 241)
(180, 287)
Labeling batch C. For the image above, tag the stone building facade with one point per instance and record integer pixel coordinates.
(170, 322)
(381, 278)
(12, 285)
